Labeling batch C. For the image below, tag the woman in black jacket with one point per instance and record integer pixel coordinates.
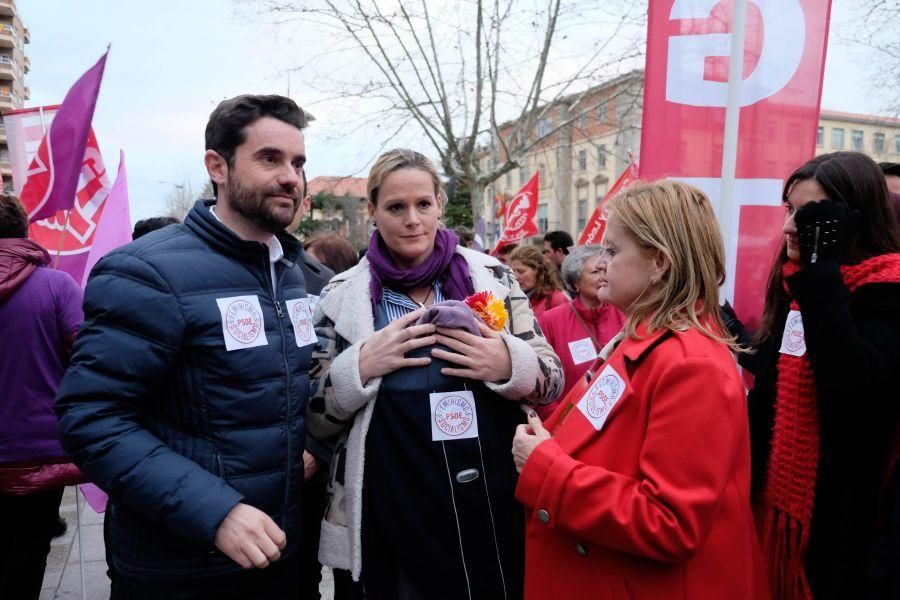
(824, 407)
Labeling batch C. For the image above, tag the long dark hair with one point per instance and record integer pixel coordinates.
(855, 180)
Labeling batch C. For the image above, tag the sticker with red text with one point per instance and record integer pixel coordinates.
(793, 341)
(605, 391)
(453, 416)
(301, 311)
(242, 322)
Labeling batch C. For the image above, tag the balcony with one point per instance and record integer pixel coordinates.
(7, 8)
(8, 36)
(7, 103)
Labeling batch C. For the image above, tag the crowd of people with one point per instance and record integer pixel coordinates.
(256, 407)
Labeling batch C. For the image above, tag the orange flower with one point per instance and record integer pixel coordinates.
(489, 309)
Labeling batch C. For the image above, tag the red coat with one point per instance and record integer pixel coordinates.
(567, 336)
(656, 504)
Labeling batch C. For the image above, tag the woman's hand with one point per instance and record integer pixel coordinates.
(484, 358)
(383, 353)
(527, 438)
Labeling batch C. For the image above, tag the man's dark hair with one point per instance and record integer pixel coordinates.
(145, 226)
(465, 234)
(225, 130)
(559, 240)
(890, 168)
(13, 219)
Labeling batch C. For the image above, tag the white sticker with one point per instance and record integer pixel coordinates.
(301, 318)
(453, 416)
(793, 342)
(605, 391)
(242, 322)
(582, 351)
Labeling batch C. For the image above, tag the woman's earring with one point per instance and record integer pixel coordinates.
(653, 281)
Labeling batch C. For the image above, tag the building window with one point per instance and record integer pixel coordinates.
(522, 175)
(602, 113)
(543, 127)
(897, 144)
(542, 218)
(820, 137)
(837, 138)
(582, 122)
(879, 143)
(599, 193)
(582, 214)
(601, 156)
(582, 160)
(856, 140)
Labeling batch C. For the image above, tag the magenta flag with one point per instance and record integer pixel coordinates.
(114, 227)
(53, 174)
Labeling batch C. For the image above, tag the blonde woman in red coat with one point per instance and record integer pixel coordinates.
(639, 485)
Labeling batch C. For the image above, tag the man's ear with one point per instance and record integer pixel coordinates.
(217, 168)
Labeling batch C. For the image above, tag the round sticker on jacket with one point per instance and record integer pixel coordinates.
(793, 341)
(603, 396)
(453, 415)
(242, 321)
(301, 319)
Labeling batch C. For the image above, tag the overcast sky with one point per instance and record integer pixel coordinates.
(172, 61)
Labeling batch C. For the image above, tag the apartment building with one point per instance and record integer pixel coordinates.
(578, 162)
(13, 67)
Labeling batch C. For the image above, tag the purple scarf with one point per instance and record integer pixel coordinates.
(443, 264)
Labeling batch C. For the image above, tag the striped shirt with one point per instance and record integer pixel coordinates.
(397, 304)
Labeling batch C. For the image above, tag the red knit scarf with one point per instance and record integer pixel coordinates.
(783, 519)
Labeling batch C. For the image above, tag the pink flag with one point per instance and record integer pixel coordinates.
(53, 174)
(96, 498)
(114, 227)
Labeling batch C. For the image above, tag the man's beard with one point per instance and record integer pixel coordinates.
(252, 204)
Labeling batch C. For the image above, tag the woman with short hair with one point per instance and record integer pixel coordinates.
(638, 485)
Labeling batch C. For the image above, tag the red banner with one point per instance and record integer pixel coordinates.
(596, 225)
(69, 235)
(520, 213)
(685, 95)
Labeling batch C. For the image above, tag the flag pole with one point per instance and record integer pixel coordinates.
(730, 146)
(62, 236)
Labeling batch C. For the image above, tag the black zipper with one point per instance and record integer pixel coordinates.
(267, 270)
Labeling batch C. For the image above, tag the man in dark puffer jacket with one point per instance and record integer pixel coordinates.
(186, 394)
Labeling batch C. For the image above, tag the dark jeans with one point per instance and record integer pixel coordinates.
(279, 581)
(26, 528)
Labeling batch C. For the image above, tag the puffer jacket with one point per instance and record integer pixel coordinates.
(173, 425)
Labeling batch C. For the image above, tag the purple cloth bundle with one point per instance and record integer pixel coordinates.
(451, 314)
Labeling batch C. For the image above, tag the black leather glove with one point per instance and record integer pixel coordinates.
(824, 231)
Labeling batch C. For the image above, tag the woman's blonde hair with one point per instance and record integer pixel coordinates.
(677, 220)
(402, 158)
(546, 279)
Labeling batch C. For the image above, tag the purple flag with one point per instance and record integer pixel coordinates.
(114, 227)
(53, 174)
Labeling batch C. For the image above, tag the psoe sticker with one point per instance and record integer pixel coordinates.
(453, 416)
(793, 341)
(582, 351)
(606, 390)
(243, 325)
(300, 311)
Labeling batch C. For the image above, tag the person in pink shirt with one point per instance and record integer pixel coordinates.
(538, 279)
